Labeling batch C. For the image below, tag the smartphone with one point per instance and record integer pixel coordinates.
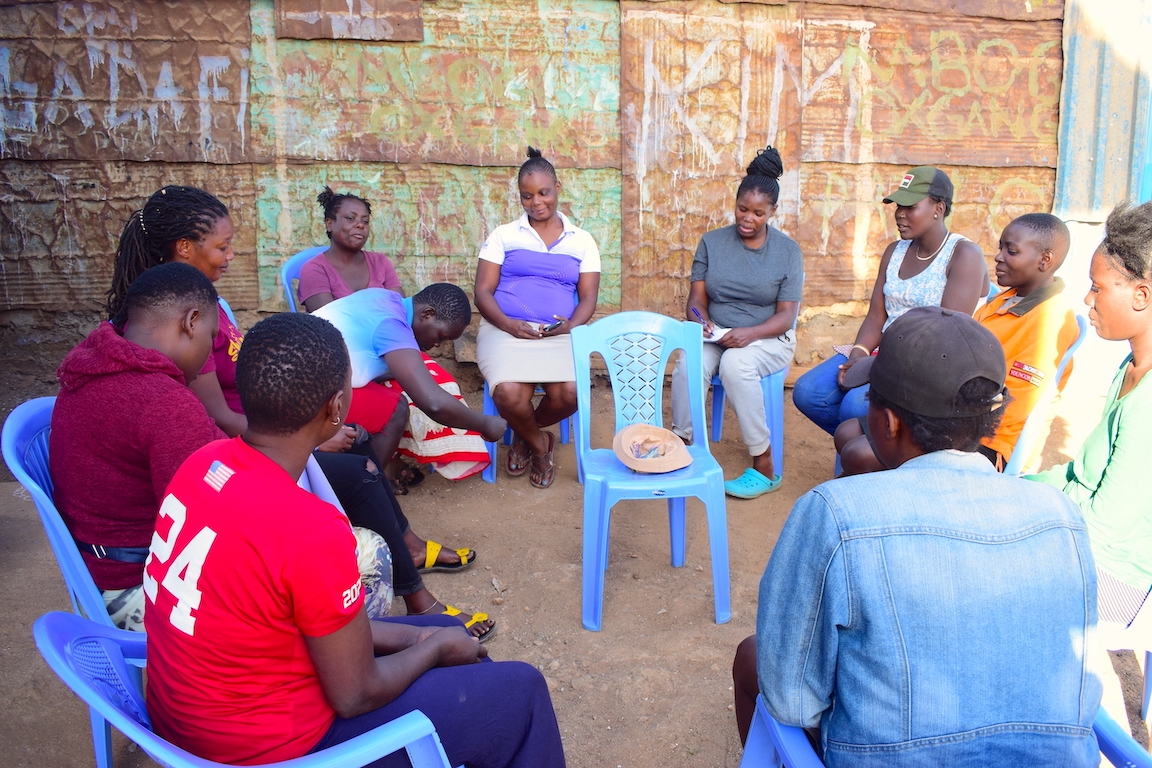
(551, 326)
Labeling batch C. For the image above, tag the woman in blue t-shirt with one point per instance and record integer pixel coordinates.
(536, 280)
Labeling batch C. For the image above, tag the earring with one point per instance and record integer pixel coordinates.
(935, 215)
(336, 422)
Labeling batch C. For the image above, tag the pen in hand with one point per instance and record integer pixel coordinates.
(705, 323)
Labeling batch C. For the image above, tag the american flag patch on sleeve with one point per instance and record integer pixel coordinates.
(218, 474)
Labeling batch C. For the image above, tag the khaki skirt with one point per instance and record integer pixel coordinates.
(503, 357)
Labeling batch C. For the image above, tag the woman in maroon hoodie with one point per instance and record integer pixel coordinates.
(110, 481)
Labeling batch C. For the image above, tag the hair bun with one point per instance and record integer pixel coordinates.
(325, 197)
(533, 152)
(766, 163)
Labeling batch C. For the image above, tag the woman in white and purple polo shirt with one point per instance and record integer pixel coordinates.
(537, 278)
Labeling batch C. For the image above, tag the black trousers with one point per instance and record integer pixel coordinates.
(368, 499)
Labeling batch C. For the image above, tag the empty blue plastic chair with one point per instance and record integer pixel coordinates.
(771, 745)
(93, 661)
(1117, 744)
(291, 271)
(1036, 425)
(636, 346)
(489, 474)
(25, 448)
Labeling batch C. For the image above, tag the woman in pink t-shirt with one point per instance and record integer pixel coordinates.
(345, 267)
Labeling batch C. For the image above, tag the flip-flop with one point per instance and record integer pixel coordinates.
(517, 463)
(751, 485)
(542, 478)
(432, 551)
(476, 619)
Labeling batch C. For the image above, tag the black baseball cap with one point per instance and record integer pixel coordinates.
(927, 355)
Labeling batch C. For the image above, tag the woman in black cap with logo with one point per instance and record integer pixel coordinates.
(928, 266)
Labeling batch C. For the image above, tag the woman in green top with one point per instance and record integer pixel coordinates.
(1106, 479)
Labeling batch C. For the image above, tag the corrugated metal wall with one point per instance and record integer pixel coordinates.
(650, 110)
(102, 103)
(852, 95)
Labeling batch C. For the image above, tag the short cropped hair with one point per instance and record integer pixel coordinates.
(962, 433)
(1051, 233)
(167, 289)
(289, 366)
(449, 301)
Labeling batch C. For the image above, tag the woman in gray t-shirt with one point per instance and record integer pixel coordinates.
(747, 280)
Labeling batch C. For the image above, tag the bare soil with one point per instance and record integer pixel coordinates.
(652, 688)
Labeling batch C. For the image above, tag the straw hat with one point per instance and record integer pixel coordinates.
(646, 448)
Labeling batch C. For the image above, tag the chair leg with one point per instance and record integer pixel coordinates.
(717, 410)
(489, 473)
(772, 387)
(676, 524)
(718, 543)
(101, 739)
(1147, 685)
(759, 751)
(595, 555)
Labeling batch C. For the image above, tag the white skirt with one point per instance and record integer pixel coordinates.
(503, 357)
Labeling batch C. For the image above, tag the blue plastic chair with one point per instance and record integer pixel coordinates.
(93, 661)
(25, 449)
(1117, 744)
(489, 473)
(772, 388)
(1036, 425)
(771, 745)
(291, 271)
(636, 346)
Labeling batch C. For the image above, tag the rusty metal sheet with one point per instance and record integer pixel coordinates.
(912, 88)
(845, 226)
(390, 20)
(60, 223)
(703, 86)
(488, 79)
(429, 219)
(99, 81)
(1020, 10)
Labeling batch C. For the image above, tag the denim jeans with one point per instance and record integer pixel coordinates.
(934, 614)
(818, 396)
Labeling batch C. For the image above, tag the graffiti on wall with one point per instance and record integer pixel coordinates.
(341, 20)
(903, 89)
(851, 97)
(103, 81)
(486, 81)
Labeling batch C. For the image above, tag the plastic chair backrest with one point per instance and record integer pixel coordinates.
(1037, 422)
(291, 271)
(636, 347)
(93, 661)
(25, 448)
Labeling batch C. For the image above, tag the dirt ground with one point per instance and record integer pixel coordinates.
(652, 688)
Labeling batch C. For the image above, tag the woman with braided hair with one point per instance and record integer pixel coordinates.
(185, 224)
(537, 278)
(747, 279)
